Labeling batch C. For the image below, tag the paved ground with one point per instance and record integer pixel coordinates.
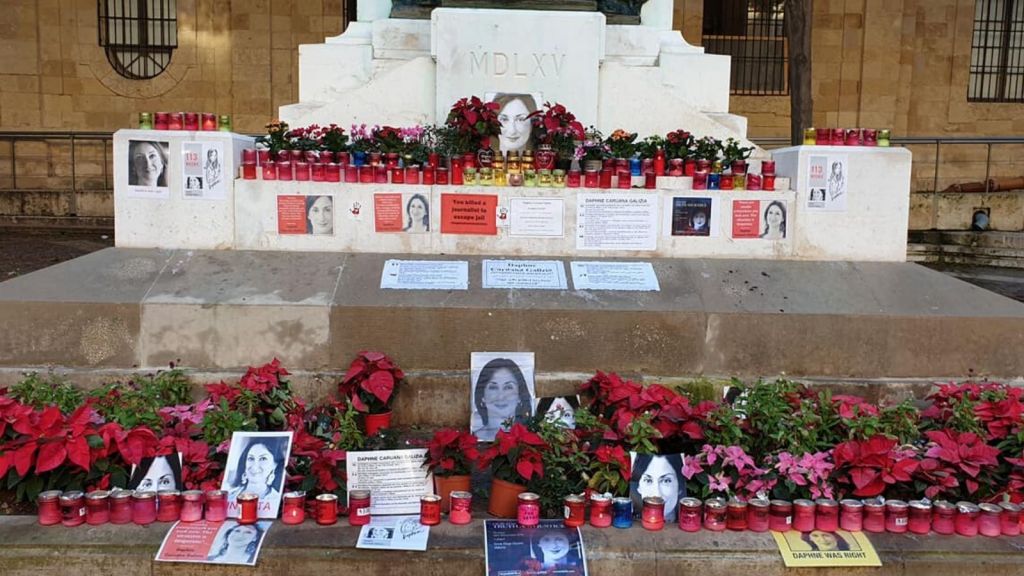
(1006, 281)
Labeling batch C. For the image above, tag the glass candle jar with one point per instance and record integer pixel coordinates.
(285, 170)
(768, 182)
(967, 518)
(896, 516)
(528, 511)
(736, 514)
(1009, 521)
(625, 180)
(485, 176)
(248, 508)
(768, 167)
(543, 177)
(120, 502)
(351, 173)
(753, 182)
(216, 505)
(191, 505)
(650, 180)
(883, 138)
(441, 176)
(530, 178)
(874, 516)
(591, 179)
(988, 521)
(803, 515)
(168, 506)
(367, 173)
(870, 137)
(397, 175)
(209, 122)
(469, 176)
(224, 123)
(97, 507)
(826, 515)
(327, 510)
(191, 121)
(622, 512)
(757, 515)
(714, 514)
(600, 510)
(853, 137)
(248, 170)
(293, 508)
(652, 515)
(823, 136)
(462, 507)
(575, 510)
(606, 178)
(269, 171)
(690, 514)
(919, 520)
(515, 178)
(851, 515)
(943, 517)
(714, 181)
(810, 137)
(317, 171)
(675, 167)
(358, 507)
(412, 174)
(175, 121)
(700, 180)
(301, 171)
(428, 174)
(72, 508)
(49, 507)
(726, 182)
(780, 516)
(456, 171)
(837, 137)
(145, 120)
(143, 508)
(430, 510)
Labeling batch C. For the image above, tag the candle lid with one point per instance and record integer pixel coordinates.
(192, 495)
(803, 503)
(248, 496)
(895, 504)
(1009, 506)
(601, 498)
(294, 495)
(216, 494)
(943, 505)
(119, 494)
(690, 503)
(327, 497)
(714, 503)
(874, 503)
(143, 495)
(781, 504)
(430, 498)
(920, 505)
(168, 494)
(529, 497)
(71, 496)
(575, 499)
(49, 495)
(825, 503)
(737, 503)
(359, 494)
(851, 503)
(461, 495)
(97, 495)
(759, 503)
(621, 500)
(654, 501)
(967, 507)
(990, 508)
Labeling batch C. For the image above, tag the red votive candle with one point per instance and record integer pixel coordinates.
(753, 182)
(191, 121)
(441, 176)
(97, 507)
(175, 121)
(714, 514)
(874, 516)
(269, 171)
(803, 515)
(652, 515)
(675, 167)
(780, 516)
(262, 156)
(851, 515)
(944, 517)
(735, 512)
(316, 171)
(366, 173)
(429, 174)
(192, 506)
(600, 511)
(456, 171)
(625, 179)
(462, 507)
(823, 136)
(249, 171)
(248, 505)
(120, 507)
(920, 517)
(49, 507)
(332, 172)
(896, 516)
(72, 508)
(650, 180)
(249, 155)
(327, 510)
(351, 173)
(690, 515)
(397, 175)
(826, 515)
(358, 507)
(216, 505)
(591, 179)
(606, 178)
(768, 182)
(380, 174)
(768, 167)
(574, 179)
(988, 521)
(209, 122)
(575, 510)
(412, 174)
(302, 172)
(161, 120)
(726, 182)
(528, 512)
(853, 137)
(837, 137)
(700, 180)
(967, 518)
(293, 508)
(144, 508)
(1009, 520)
(284, 170)
(757, 515)
(430, 510)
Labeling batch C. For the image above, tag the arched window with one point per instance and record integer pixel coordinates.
(752, 32)
(139, 36)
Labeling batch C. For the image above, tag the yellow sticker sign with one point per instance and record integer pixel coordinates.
(818, 548)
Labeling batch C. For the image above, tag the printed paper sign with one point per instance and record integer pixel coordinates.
(396, 479)
(819, 548)
(425, 275)
(394, 533)
(256, 464)
(745, 218)
(202, 170)
(387, 212)
(759, 219)
(537, 217)
(691, 216)
(549, 548)
(291, 215)
(148, 169)
(206, 542)
(526, 274)
(469, 214)
(401, 213)
(637, 276)
(617, 222)
(501, 391)
(827, 183)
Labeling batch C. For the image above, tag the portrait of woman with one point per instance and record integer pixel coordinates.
(501, 393)
(194, 183)
(824, 541)
(380, 533)
(836, 180)
(658, 476)
(553, 549)
(817, 194)
(516, 125)
(157, 473)
(699, 223)
(774, 221)
(417, 214)
(320, 215)
(560, 409)
(236, 544)
(212, 167)
(256, 463)
(147, 163)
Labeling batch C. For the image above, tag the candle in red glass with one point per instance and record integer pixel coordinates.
(327, 510)
(216, 505)
(826, 515)
(544, 158)
(192, 506)
(625, 179)
(375, 158)
(605, 178)
(191, 121)
(398, 175)
(391, 159)
(285, 170)
(351, 173)
(574, 179)
(249, 155)
(412, 174)
(943, 517)
(462, 507)
(332, 172)
(433, 159)
(161, 120)
(591, 179)
(689, 167)
(736, 515)
(757, 515)
(837, 137)
(853, 137)
(49, 507)
(528, 511)
(248, 506)
(430, 510)
(120, 506)
(144, 508)
(700, 180)
(441, 176)
(874, 516)
(803, 515)
(380, 174)
(659, 162)
(269, 171)
(209, 122)
(72, 508)
(768, 167)
(175, 121)
(768, 182)
(714, 514)
(293, 508)
(896, 516)
(249, 171)
(725, 182)
(919, 519)
(301, 171)
(359, 507)
(851, 515)
(967, 518)
(675, 167)
(429, 174)
(316, 172)
(780, 516)
(870, 136)
(262, 156)
(600, 511)
(988, 521)
(650, 180)
(690, 514)
(366, 173)
(456, 171)
(575, 510)
(1009, 520)
(652, 515)
(97, 507)
(823, 136)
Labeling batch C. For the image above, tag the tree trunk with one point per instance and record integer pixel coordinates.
(798, 34)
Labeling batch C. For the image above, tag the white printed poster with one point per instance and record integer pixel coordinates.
(635, 276)
(425, 275)
(396, 479)
(524, 274)
(617, 222)
(202, 170)
(537, 217)
(256, 464)
(501, 393)
(394, 533)
(827, 184)
(148, 166)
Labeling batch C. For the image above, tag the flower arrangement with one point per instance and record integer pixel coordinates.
(609, 471)
(362, 140)
(370, 382)
(707, 148)
(276, 138)
(515, 456)
(649, 146)
(621, 144)
(475, 122)
(333, 138)
(592, 148)
(452, 452)
(678, 144)
(732, 151)
(556, 126)
(388, 140)
(724, 471)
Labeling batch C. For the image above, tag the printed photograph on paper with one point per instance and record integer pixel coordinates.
(514, 115)
(819, 548)
(550, 549)
(148, 165)
(826, 187)
(773, 220)
(559, 409)
(256, 463)
(691, 216)
(202, 170)
(297, 214)
(657, 475)
(206, 542)
(406, 212)
(502, 391)
(157, 473)
(394, 533)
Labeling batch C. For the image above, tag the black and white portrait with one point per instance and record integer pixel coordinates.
(559, 409)
(148, 168)
(657, 475)
(502, 391)
(320, 215)
(157, 473)
(773, 225)
(416, 219)
(256, 463)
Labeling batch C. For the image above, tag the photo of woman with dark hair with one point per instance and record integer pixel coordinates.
(657, 475)
(553, 549)
(501, 393)
(256, 464)
(417, 214)
(237, 543)
(514, 112)
(824, 541)
(147, 163)
(157, 473)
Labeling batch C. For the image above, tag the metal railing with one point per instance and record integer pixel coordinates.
(72, 139)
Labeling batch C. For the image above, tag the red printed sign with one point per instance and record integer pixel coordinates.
(387, 212)
(469, 214)
(745, 223)
(189, 542)
(291, 215)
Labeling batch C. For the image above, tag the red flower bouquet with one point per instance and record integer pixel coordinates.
(516, 456)
(474, 122)
(370, 382)
(452, 453)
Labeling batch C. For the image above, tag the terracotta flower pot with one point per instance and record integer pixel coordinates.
(504, 499)
(445, 485)
(374, 422)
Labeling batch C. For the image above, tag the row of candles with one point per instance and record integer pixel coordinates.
(846, 137)
(74, 508)
(193, 121)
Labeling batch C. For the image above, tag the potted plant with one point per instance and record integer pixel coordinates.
(707, 148)
(451, 457)
(276, 139)
(648, 147)
(556, 132)
(592, 151)
(608, 471)
(565, 465)
(621, 144)
(515, 458)
(475, 122)
(370, 385)
(735, 156)
(362, 143)
(333, 140)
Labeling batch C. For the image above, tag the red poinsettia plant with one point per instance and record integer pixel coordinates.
(556, 126)
(957, 464)
(866, 468)
(452, 452)
(516, 455)
(371, 381)
(609, 471)
(474, 123)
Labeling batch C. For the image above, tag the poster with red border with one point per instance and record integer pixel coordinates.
(291, 214)
(745, 222)
(208, 542)
(469, 214)
(387, 212)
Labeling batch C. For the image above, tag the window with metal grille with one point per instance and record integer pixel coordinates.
(997, 52)
(752, 32)
(139, 36)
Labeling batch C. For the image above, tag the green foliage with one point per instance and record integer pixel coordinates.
(565, 465)
(785, 416)
(649, 146)
(641, 434)
(138, 401)
(221, 421)
(732, 151)
(900, 421)
(41, 391)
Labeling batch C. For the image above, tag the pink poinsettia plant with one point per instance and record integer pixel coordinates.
(371, 381)
(725, 471)
(452, 452)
